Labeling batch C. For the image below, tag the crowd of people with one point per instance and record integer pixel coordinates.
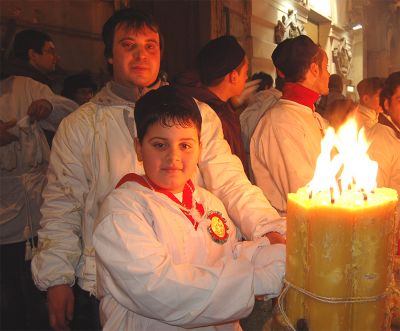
(159, 205)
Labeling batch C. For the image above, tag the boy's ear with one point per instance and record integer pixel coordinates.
(110, 60)
(31, 54)
(314, 69)
(200, 151)
(233, 76)
(138, 149)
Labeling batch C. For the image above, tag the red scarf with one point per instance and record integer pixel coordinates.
(187, 195)
(300, 94)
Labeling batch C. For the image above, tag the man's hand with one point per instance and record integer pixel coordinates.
(275, 238)
(5, 136)
(61, 306)
(39, 110)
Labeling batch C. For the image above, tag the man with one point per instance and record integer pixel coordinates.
(27, 107)
(369, 90)
(335, 86)
(35, 56)
(286, 142)
(390, 103)
(222, 68)
(79, 87)
(93, 149)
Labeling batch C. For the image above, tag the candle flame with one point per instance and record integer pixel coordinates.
(344, 160)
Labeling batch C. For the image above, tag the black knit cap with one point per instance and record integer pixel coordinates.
(219, 57)
(294, 55)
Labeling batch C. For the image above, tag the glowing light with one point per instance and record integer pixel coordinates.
(344, 163)
(357, 27)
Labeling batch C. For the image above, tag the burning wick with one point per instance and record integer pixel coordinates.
(332, 198)
(365, 196)
(310, 195)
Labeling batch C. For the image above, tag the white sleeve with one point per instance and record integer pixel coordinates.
(224, 176)
(59, 237)
(61, 106)
(138, 271)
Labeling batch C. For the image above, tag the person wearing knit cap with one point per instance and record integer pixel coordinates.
(222, 68)
(286, 143)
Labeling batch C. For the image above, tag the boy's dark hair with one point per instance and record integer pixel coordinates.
(266, 80)
(129, 18)
(73, 82)
(389, 87)
(168, 107)
(293, 57)
(29, 39)
(369, 86)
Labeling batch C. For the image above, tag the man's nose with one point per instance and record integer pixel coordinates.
(140, 52)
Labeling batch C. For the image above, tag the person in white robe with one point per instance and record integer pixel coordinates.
(93, 149)
(286, 142)
(168, 256)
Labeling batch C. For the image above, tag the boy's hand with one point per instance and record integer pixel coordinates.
(61, 306)
(275, 238)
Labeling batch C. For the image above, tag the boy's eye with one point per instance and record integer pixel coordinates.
(185, 146)
(128, 45)
(159, 145)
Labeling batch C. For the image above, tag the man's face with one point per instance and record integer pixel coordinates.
(83, 95)
(243, 76)
(392, 106)
(136, 56)
(372, 101)
(170, 155)
(321, 84)
(45, 62)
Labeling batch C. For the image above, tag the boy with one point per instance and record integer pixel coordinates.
(166, 251)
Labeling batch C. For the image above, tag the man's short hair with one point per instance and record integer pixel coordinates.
(29, 39)
(266, 80)
(167, 106)
(369, 86)
(389, 87)
(129, 18)
(293, 57)
(219, 57)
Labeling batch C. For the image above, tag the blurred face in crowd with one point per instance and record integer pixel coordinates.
(83, 95)
(136, 56)
(322, 77)
(392, 106)
(45, 62)
(170, 154)
(372, 101)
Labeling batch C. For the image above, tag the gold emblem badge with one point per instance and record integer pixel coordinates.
(217, 228)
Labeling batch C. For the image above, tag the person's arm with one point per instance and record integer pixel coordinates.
(140, 274)
(224, 176)
(60, 106)
(59, 249)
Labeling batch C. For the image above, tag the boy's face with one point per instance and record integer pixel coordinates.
(169, 154)
(136, 56)
(322, 82)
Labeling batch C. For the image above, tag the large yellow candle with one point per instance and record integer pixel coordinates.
(340, 250)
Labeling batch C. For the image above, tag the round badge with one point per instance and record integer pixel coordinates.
(217, 228)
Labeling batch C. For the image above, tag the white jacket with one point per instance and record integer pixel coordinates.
(23, 163)
(156, 272)
(92, 150)
(284, 150)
